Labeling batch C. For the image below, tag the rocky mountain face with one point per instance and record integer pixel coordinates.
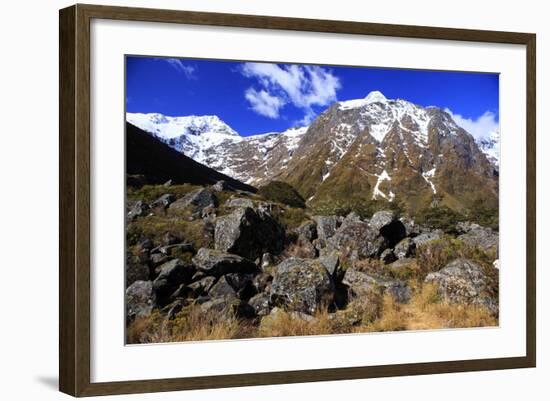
(368, 150)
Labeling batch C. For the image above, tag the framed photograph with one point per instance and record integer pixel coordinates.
(346, 200)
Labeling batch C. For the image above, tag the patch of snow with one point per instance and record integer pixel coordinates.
(427, 176)
(384, 176)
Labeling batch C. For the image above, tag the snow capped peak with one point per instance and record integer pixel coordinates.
(375, 96)
(167, 127)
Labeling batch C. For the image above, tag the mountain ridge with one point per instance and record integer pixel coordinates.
(398, 151)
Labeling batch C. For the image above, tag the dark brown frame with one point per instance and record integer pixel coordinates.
(74, 202)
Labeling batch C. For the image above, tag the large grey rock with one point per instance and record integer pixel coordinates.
(260, 303)
(197, 200)
(307, 230)
(463, 281)
(217, 263)
(386, 224)
(330, 260)
(164, 201)
(239, 202)
(221, 186)
(404, 248)
(302, 285)
(481, 237)
(326, 226)
(172, 275)
(140, 299)
(381, 219)
(411, 228)
(426, 237)
(357, 237)
(248, 233)
(361, 284)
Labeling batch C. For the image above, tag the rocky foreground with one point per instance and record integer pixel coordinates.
(211, 262)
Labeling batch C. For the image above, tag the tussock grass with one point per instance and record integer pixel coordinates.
(285, 323)
(191, 324)
(434, 255)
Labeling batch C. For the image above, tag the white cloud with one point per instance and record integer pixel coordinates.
(481, 127)
(301, 86)
(187, 70)
(263, 103)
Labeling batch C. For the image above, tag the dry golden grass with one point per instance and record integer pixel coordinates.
(425, 311)
(284, 323)
(189, 325)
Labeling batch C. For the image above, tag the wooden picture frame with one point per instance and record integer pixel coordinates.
(75, 207)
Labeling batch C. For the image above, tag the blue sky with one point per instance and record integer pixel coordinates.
(262, 97)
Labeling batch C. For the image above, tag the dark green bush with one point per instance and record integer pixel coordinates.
(278, 191)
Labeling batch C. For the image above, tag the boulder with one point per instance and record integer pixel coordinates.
(463, 227)
(426, 237)
(307, 230)
(404, 248)
(326, 226)
(217, 263)
(411, 228)
(140, 299)
(357, 237)
(171, 310)
(172, 275)
(221, 186)
(482, 237)
(228, 308)
(260, 304)
(302, 285)
(248, 233)
(463, 281)
(139, 209)
(174, 248)
(200, 285)
(158, 259)
(381, 219)
(222, 289)
(388, 226)
(262, 282)
(197, 200)
(164, 201)
(331, 261)
(239, 202)
(362, 284)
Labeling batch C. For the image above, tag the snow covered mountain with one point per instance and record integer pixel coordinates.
(381, 149)
(491, 147)
(371, 149)
(209, 140)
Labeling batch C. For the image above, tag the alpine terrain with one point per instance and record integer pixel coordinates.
(368, 150)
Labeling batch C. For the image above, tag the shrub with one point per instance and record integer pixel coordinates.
(278, 191)
(291, 217)
(440, 217)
